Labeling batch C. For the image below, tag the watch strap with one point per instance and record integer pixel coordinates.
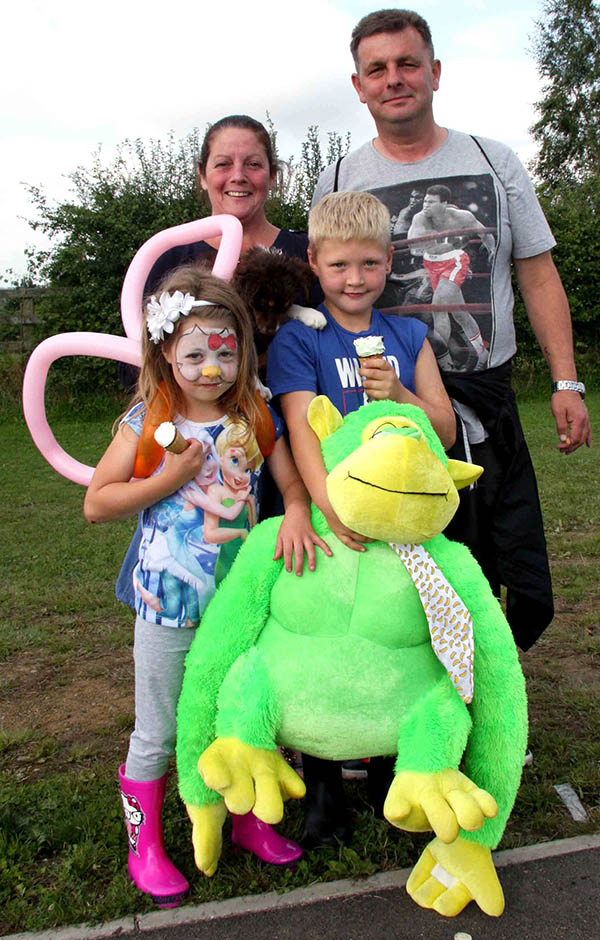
(567, 385)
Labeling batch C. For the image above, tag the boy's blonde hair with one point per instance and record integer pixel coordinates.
(349, 215)
(240, 400)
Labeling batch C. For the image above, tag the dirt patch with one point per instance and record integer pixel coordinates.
(80, 712)
(570, 647)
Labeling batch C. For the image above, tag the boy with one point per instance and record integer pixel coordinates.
(350, 252)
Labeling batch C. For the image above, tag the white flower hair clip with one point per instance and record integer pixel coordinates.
(163, 314)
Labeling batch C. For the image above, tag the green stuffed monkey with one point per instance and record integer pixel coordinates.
(401, 649)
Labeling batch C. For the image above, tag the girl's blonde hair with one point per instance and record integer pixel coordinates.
(240, 400)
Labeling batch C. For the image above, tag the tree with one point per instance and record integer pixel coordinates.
(290, 201)
(573, 212)
(114, 207)
(111, 211)
(567, 49)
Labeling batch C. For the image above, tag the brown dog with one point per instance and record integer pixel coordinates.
(270, 282)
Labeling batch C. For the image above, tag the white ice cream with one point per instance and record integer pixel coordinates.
(165, 434)
(369, 346)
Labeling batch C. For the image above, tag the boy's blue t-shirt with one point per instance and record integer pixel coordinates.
(325, 361)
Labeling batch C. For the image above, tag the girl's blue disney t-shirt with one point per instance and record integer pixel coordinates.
(189, 539)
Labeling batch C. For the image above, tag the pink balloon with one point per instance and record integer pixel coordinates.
(106, 346)
(227, 257)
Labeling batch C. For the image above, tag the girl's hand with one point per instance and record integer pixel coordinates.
(380, 382)
(179, 469)
(297, 536)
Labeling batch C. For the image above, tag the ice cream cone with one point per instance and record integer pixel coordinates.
(369, 347)
(167, 436)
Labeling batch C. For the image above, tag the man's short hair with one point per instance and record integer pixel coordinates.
(347, 215)
(441, 191)
(390, 21)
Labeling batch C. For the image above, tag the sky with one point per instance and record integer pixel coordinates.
(78, 75)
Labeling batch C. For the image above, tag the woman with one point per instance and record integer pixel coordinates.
(236, 170)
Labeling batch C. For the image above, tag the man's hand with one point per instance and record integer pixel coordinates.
(572, 421)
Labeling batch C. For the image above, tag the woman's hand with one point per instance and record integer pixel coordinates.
(296, 537)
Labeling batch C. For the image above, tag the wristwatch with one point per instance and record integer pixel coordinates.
(566, 385)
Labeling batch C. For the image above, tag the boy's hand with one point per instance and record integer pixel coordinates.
(349, 537)
(379, 380)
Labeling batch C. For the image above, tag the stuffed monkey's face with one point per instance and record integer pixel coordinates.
(393, 488)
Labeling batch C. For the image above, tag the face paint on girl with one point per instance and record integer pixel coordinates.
(203, 346)
(207, 354)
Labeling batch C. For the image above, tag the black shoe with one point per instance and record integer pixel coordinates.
(325, 821)
(354, 769)
(380, 776)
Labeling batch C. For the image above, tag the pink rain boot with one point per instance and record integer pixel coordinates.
(250, 833)
(149, 868)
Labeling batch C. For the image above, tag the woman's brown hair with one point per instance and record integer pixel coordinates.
(244, 122)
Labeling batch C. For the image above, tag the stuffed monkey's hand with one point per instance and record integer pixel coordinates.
(447, 877)
(250, 778)
(207, 824)
(445, 801)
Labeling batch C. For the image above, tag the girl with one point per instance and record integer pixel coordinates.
(199, 356)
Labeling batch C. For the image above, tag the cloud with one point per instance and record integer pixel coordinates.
(127, 68)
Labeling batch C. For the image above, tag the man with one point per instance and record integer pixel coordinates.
(447, 265)
(401, 223)
(396, 77)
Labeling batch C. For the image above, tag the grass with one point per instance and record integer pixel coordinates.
(66, 702)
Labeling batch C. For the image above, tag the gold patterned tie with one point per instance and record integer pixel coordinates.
(450, 624)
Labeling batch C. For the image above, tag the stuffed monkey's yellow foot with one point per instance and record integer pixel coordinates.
(447, 877)
(207, 837)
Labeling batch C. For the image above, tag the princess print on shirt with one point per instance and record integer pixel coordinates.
(185, 534)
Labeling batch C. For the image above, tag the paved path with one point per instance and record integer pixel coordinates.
(552, 892)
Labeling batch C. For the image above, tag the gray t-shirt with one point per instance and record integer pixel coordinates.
(453, 269)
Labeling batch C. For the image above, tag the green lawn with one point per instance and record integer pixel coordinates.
(66, 702)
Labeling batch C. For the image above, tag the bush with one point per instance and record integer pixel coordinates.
(573, 212)
(113, 210)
